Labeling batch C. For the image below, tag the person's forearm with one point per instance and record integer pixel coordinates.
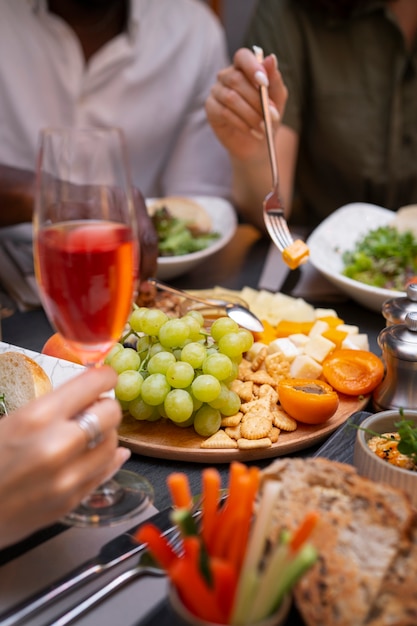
(16, 195)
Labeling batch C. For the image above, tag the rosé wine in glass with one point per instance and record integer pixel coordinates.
(86, 254)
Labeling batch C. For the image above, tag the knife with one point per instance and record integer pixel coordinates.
(113, 553)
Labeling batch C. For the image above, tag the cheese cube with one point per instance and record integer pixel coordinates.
(284, 346)
(318, 328)
(356, 342)
(304, 366)
(254, 350)
(318, 348)
(298, 339)
(325, 313)
(350, 329)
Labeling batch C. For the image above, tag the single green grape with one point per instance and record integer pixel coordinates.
(207, 421)
(194, 327)
(231, 344)
(173, 333)
(194, 353)
(114, 350)
(139, 410)
(223, 326)
(180, 374)
(152, 321)
(135, 319)
(159, 362)
(129, 383)
(218, 365)
(178, 405)
(205, 387)
(197, 316)
(154, 389)
(126, 359)
(247, 339)
(232, 404)
(221, 399)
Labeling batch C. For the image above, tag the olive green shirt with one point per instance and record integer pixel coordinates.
(353, 100)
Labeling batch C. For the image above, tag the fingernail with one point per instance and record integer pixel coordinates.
(258, 135)
(274, 57)
(274, 113)
(261, 78)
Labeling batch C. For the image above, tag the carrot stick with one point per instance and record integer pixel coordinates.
(211, 492)
(236, 471)
(225, 584)
(194, 592)
(238, 511)
(302, 533)
(179, 488)
(158, 545)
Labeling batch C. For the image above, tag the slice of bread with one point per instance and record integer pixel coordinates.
(21, 379)
(361, 528)
(396, 604)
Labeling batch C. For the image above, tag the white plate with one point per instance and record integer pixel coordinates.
(224, 221)
(58, 370)
(339, 232)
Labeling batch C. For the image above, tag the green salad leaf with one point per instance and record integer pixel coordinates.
(177, 236)
(384, 257)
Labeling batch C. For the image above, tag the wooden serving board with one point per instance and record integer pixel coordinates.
(164, 440)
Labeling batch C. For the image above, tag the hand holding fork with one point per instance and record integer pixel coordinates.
(294, 253)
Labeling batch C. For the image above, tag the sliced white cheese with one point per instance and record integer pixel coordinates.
(284, 346)
(318, 328)
(304, 366)
(356, 342)
(299, 339)
(254, 350)
(325, 313)
(319, 347)
(350, 329)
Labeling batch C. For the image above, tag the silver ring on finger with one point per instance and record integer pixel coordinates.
(90, 425)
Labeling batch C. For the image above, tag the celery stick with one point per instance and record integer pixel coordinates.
(303, 560)
(269, 580)
(185, 521)
(248, 579)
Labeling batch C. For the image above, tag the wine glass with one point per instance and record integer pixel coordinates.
(86, 259)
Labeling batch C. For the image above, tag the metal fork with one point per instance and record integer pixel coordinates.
(273, 210)
(145, 567)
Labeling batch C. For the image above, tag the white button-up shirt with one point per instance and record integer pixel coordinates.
(151, 80)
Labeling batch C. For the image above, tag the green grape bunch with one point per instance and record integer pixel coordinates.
(176, 369)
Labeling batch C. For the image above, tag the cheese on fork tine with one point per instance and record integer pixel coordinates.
(296, 254)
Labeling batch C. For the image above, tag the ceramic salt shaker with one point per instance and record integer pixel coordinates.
(395, 309)
(398, 343)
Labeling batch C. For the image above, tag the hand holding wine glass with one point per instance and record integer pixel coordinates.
(86, 264)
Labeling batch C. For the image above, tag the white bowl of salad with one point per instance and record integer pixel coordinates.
(190, 230)
(362, 242)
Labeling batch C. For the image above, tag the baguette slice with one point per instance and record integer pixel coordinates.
(396, 604)
(361, 527)
(21, 379)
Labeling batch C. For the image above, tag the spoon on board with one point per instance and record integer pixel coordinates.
(237, 312)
